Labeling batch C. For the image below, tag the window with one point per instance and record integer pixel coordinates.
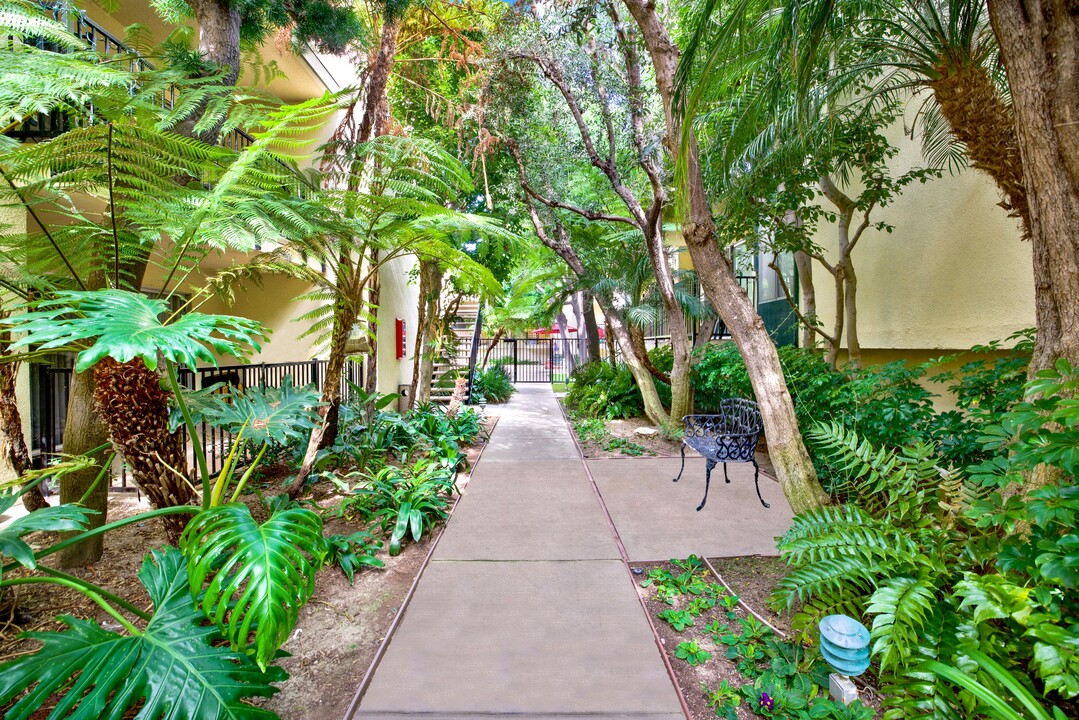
(768, 285)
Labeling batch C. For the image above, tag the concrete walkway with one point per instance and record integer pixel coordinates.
(526, 608)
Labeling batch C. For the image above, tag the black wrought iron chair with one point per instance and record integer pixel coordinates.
(729, 436)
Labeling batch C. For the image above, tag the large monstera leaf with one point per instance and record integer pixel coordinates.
(252, 579)
(266, 415)
(125, 325)
(172, 667)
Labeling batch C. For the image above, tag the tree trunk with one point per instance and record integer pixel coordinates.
(374, 296)
(12, 442)
(612, 355)
(219, 45)
(84, 430)
(616, 326)
(428, 332)
(850, 309)
(836, 339)
(377, 79)
(640, 349)
(494, 341)
(567, 352)
(785, 446)
(705, 332)
(588, 311)
(681, 348)
(808, 291)
(136, 411)
(1039, 43)
(325, 434)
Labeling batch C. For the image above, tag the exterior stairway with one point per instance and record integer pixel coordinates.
(454, 361)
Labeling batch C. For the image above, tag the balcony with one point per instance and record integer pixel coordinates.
(45, 126)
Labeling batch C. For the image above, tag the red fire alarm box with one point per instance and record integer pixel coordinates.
(400, 338)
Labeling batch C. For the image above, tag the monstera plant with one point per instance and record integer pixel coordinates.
(249, 579)
(172, 667)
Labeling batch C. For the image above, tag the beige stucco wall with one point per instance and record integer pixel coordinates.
(14, 220)
(277, 305)
(953, 274)
(399, 298)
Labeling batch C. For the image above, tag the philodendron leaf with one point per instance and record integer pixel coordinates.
(125, 325)
(251, 578)
(172, 669)
(270, 414)
(63, 518)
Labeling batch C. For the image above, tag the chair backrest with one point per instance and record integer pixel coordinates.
(740, 415)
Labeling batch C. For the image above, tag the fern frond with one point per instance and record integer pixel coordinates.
(901, 606)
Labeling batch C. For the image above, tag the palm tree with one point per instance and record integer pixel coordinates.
(122, 159)
(403, 208)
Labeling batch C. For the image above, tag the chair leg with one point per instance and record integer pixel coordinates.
(683, 464)
(757, 484)
(707, 481)
(725, 474)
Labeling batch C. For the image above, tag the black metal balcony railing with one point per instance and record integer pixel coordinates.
(110, 48)
(659, 333)
(52, 384)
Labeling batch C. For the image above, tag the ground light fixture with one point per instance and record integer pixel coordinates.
(844, 643)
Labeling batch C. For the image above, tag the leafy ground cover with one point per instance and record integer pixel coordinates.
(727, 663)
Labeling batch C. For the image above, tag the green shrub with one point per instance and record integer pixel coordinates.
(949, 567)
(493, 383)
(598, 390)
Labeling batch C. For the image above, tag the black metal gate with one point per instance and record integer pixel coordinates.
(530, 360)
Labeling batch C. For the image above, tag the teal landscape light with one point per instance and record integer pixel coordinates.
(844, 643)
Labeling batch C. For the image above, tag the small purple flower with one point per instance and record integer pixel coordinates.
(766, 701)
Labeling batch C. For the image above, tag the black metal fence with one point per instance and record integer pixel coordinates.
(51, 387)
(530, 360)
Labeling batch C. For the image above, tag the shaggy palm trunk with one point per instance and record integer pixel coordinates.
(1039, 43)
(136, 411)
(980, 119)
(785, 446)
(12, 442)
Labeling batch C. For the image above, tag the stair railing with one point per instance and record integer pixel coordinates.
(474, 350)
